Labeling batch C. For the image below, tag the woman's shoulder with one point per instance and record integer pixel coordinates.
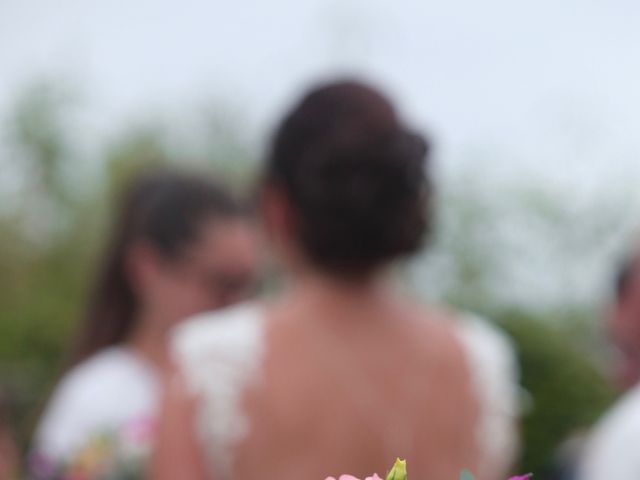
(491, 361)
(102, 373)
(492, 358)
(480, 339)
(88, 399)
(487, 346)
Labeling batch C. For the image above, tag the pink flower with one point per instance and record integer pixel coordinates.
(351, 477)
(140, 431)
(522, 477)
(397, 472)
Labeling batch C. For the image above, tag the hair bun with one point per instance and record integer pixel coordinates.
(356, 178)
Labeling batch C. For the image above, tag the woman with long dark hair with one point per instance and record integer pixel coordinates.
(342, 373)
(181, 245)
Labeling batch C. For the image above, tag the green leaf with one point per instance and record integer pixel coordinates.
(398, 471)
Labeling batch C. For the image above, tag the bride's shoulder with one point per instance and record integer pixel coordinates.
(438, 324)
(486, 344)
(482, 342)
(491, 361)
(471, 330)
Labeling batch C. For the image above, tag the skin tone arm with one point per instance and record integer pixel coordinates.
(177, 453)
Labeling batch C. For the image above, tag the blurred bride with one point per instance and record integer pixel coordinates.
(341, 373)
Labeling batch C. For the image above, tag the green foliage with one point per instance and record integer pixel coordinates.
(568, 393)
(38, 131)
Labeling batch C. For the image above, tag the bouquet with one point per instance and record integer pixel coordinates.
(118, 454)
(399, 472)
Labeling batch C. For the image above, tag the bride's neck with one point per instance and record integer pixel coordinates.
(328, 291)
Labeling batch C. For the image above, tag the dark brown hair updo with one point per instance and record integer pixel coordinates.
(355, 177)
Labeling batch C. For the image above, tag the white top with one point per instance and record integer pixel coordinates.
(612, 450)
(220, 353)
(108, 394)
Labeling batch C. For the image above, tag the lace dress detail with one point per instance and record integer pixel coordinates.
(491, 359)
(219, 355)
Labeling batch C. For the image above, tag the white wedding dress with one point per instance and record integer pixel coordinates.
(220, 353)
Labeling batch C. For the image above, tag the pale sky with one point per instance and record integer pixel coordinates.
(493, 74)
(542, 92)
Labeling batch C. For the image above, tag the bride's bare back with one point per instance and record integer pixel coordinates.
(346, 375)
(349, 389)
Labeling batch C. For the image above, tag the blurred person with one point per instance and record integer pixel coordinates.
(623, 326)
(341, 373)
(618, 320)
(610, 450)
(181, 245)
